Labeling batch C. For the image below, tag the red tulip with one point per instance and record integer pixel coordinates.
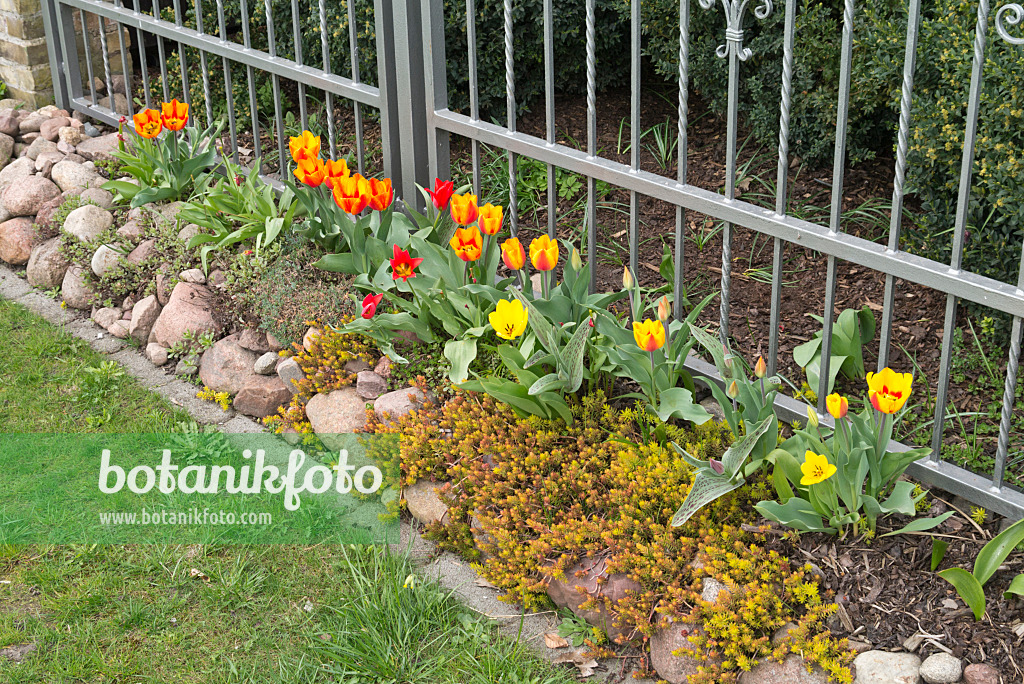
(402, 265)
(370, 303)
(441, 193)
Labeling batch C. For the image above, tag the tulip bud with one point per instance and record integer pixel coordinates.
(733, 390)
(663, 309)
(627, 278)
(812, 417)
(717, 466)
(575, 261)
(761, 369)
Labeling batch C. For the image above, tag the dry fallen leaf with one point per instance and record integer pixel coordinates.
(552, 640)
(583, 664)
(199, 574)
(481, 582)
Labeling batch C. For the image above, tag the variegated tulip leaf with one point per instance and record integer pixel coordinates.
(735, 455)
(548, 383)
(706, 488)
(573, 357)
(714, 347)
(539, 323)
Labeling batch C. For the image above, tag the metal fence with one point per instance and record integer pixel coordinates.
(416, 125)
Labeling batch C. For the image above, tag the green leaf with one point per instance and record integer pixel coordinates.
(803, 353)
(796, 513)
(573, 356)
(677, 402)
(706, 488)
(337, 263)
(539, 323)
(736, 454)
(968, 588)
(1016, 587)
(920, 525)
(460, 353)
(995, 552)
(901, 500)
(548, 383)
(939, 547)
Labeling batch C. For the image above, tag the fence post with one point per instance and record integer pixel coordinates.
(61, 95)
(436, 88)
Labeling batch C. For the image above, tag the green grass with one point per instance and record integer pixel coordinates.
(211, 614)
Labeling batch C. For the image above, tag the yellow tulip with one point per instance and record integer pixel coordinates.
(815, 468)
(509, 319)
(649, 335)
(889, 390)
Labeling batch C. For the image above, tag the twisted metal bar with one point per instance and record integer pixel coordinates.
(327, 67)
(357, 110)
(1009, 398)
(106, 62)
(510, 103)
(682, 170)
(592, 140)
(204, 66)
(226, 65)
(1016, 14)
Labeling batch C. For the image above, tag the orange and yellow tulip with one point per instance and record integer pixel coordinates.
(464, 209)
(889, 390)
(467, 243)
(489, 219)
(544, 253)
(305, 146)
(513, 254)
(649, 335)
(310, 171)
(174, 115)
(148, 123)
(351, 194)
(335, 170)
(380, 193)
(837, 406)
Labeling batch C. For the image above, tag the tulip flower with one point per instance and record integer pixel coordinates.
(489, 218)
(441, 193)
(837, 406)
(310, 171)
(627, 278)
(370, 303)
(174, 115)
(513, 254)
(380, 194)
(544, 253)
(467, 243)
(402, 265)
(335, 170)
(148, 123)
(733, 390)
(463, 208)
(812, 417)
(509, 319)
(351, 194)
(760, 368)
(663, 309)
(815, 468)
(306, 145)
(889, 390)
(575, 260)
(649, 335)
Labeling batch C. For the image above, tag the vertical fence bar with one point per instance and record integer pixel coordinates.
(634, 134)
(162, 55)
(681, 166)
(960, 224)
(283, 163)
(838, 176)
(591, 48)
(896, 214)
(357, 110)
(474, 92)
(1009, 392)
(106, 63)
(72, 72)
(125, 71)
(510, 103)
(297, 40)
(144, 66)
(50, 28)
(732, 122)
(549, 111)
(228, 84)
(88, 57)
(186, 91)
(328, 97)
(781, 182)
(439, 164)
(251, 76)
(207, 97)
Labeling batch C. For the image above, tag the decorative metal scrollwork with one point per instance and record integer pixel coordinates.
(1008, 15)
(734, 11)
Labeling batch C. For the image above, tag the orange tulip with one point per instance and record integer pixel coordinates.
(513, 254)
(544, 253)
(760, 368)
(335, 170)
(310, 171)
(148, 123)
(649, 335)
(351, 194)
(463, 208)
(174, 115)
(380, 194)
(489, 219)
(306, 145)
(467, 243)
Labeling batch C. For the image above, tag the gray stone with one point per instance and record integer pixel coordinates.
(169, 211)
(45, 162)
(189, 308)
(31, 123)
(98, 196)
(424, 502)
(144, 315)
(145, 250)
(266, 364)
(17, 237)
(291, 374)
(254, 340)
(105, 258)
(188, 232)
(217, 278)
(979, 673)
(69, 135)
(394, 405)
(133, 229)
(712, 407)
(792, 670)
(226, 367)
(941, 668)
(163, 288)
(369, 385)
(337, 413)
(77, 288)
(355, 366)
(188, 367)
(309, 338)
(69, 175)
(106, 317)
(712, 589)
(119, 106)
(273, 343)
(87, 222)
(587, 580)
(261, 396)
(39, 146)
(46, 266)
(9, 123)
(383, 367)
(25, 197)
(6, 148)
(15, 172)
(672, 668)
(192, 275)
(156, 354)
(44, 217)
(882, 667)
(97, 147)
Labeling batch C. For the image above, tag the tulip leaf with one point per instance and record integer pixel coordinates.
(539, 323)
(736, 454)
(796, 513)
(1016, 587)
(460, 353)
(713, 347)
(939, 547)
(995, 552)
(573, 357)
(920, 525)
(677, 402)
(548, 383)
(706, 488)
(337, 263)
(968, 588)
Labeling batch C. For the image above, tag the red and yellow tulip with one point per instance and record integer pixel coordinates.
(513, 254)
(174, 115)
(370, 303)
(148, 123)
(379, 194)
(489, 219)
(544, 253)
(464, 209)
(889, 390)
(335, 170)
(310, 172)
(402, 265)
(305, 146)
(442, 193)
(837, 406)
(467, 243)
(649, 335)
(351, 194)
